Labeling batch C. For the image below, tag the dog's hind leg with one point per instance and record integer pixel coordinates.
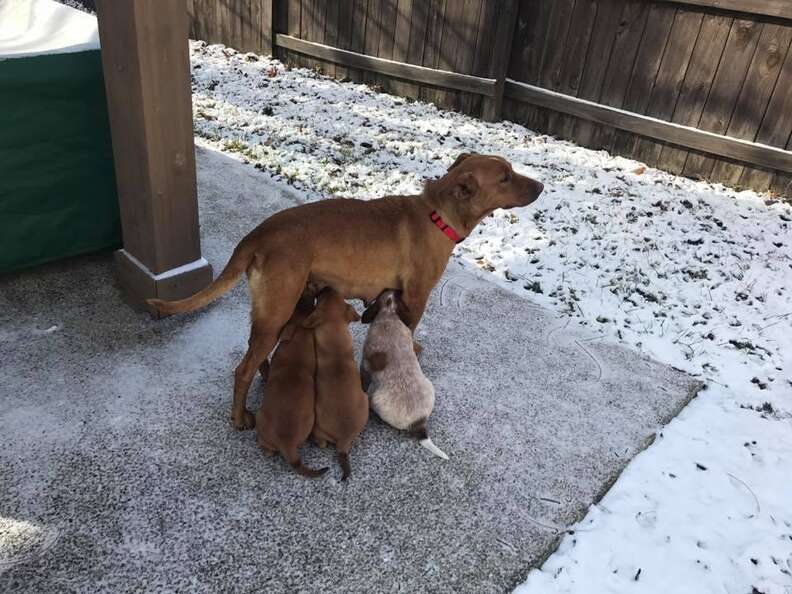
(274, 290)
(342, 449)
(292, 456)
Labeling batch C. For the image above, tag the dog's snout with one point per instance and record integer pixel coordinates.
(539, 187)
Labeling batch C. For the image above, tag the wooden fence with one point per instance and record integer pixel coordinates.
(701, 88)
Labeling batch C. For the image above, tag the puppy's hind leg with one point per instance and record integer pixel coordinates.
(274, 290)
(342, 449)
(292, 456)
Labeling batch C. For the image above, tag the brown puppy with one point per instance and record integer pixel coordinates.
(286, 417)
(341, 405)
(358, 248)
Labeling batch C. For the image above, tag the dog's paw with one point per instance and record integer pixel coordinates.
(247, 421)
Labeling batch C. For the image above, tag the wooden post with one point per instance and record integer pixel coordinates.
(147, 79)
(499, 62)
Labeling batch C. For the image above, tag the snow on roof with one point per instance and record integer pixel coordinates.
(36, 27)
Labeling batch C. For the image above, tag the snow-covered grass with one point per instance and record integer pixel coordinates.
(694, 274)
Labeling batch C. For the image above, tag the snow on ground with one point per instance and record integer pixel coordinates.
(695, 275)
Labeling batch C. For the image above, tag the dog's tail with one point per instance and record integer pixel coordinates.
(233, 271)
(418, 430)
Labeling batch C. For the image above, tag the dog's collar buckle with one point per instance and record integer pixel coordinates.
(445, 227)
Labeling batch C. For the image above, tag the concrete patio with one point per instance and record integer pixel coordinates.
(119, 469)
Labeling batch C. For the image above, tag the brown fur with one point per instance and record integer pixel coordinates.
(341, 405)
(358, 248)
(287, 414)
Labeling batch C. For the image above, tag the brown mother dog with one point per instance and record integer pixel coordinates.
(359, 248)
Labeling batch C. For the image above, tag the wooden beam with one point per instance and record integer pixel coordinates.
(499, 60)
(410, 72)
(774, 8)
(147, 81)
(685, 136)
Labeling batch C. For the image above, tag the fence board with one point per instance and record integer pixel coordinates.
(449, 47)
(740, 47)
(419, 16)
(647, 64)
(668, 83)
(578, 39)
(434, 35)
(623, 57)
(776, 128)
(492, 107)
(525, 63)
(553, 55)
(755, 94)
(358, 35)
(697, 83)
(468, 34)
(387, 39)
(401, 45)
(332, 10)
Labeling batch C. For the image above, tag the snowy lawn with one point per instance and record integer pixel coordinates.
(696, 275)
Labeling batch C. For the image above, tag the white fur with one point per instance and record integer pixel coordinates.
(400, 393)
(429, 445)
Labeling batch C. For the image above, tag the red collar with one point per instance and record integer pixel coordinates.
(445, 227)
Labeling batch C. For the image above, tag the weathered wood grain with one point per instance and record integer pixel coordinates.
(644, 73)
(668, 83)
(439, 78)
(755, 95)
(697, 83)
(733, 148)
(737, 55)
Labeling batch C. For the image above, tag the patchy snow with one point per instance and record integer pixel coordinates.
(693, 274)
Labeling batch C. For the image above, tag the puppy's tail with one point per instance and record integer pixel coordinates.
(236, 267)
(418, 430)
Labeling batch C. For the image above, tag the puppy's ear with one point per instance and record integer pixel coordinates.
(287, 333)
(371, 312)
(465, 186)
(351, 314)
(459, 159)
(314, 320)
(402, 310)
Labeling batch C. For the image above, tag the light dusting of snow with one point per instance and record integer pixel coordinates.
(693, 274)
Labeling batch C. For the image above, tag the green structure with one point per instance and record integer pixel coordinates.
(57, 181)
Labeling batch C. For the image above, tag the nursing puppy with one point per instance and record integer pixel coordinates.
(286, 417)
(400, 393)
(357, 247)
(341, 405)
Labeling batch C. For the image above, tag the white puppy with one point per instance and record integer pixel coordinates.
(400, 393)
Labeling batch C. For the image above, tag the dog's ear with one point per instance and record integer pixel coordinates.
(402, 310)
(351, 314)
(287, 333)
(315, 319)
(465, 186)
(459, 159)
(371, 312)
